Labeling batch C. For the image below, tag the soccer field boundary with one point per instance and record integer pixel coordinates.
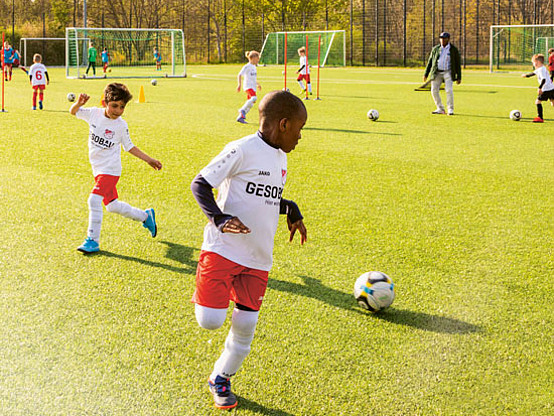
(225, 77)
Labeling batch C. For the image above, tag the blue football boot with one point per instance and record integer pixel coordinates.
(150, 222)
(40, 105)
(221, 390)
(89, 246)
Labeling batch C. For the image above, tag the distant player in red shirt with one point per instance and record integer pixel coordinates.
(551, 63)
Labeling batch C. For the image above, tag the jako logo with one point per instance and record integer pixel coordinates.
(264, 173)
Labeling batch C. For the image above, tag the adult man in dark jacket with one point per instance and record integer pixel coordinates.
(444, 65)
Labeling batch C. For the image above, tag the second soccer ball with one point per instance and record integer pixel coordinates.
(515, 115)
(71, 97)
(154, 82)
(374, 291)
(373, 115)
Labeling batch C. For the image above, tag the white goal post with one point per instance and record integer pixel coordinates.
(27, 51)
(333, 47)
(512, 46)
(131, 52)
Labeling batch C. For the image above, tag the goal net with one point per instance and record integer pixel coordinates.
(131, 52)
(511, 47)
(52, 51)
(333, 47)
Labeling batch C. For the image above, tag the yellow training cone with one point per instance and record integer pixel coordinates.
(141, 99)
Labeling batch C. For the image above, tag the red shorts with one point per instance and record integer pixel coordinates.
(39, 87)
(104, 185)
(301, 77)
(250, 93)
(219, 280)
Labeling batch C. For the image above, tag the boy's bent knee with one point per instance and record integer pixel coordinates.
(210, 318)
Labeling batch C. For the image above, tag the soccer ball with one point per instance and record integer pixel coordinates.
(71, 97)
(373, 115)
(515, 115)
(374, 291)
(154, 82)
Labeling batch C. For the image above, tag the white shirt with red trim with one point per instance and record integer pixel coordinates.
(37, 72)
(306, 69)
(250, 176)
(106, 136)
(250, 74)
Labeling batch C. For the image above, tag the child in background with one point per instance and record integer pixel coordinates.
(546, 87)
(551, 63)
(38, 76)
(250, 74)
(304, 71)
(158, 59)
(107, 133)
(237, 252)
(8, 61)
(105, 60)
(92, 53)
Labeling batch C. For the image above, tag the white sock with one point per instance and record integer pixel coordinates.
(94, 216)
(237, 344)
(122, 208)
(301, 84)
(309, 87)
(248, 104)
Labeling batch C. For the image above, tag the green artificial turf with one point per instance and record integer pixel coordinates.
(457, 210)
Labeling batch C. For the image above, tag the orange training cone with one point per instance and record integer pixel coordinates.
(141, 99)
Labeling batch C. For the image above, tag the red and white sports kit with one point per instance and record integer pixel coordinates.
(249, 85)
(305, 71)
(37, 73)
(250, 176)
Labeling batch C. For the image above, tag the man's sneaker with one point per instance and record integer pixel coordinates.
(438, 111)
(538, 120)
(221, 390)
(89, 246)
(450, 112)
(40, 105)
(150, 222)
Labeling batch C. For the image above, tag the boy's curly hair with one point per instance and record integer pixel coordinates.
(117, 92)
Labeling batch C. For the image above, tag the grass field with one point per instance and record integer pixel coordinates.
(457, 210)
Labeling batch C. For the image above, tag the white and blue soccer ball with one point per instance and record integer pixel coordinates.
(374, 291)
(154, 82)
(515, 115)
(373, 115)
(70, 97)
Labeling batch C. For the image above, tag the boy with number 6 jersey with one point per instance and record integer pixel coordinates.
(38, 76)
(107, 133)
(237, 252)
(546, 87)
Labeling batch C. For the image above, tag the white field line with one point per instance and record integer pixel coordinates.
(361, 81)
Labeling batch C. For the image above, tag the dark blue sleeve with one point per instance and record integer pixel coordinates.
(203, 193)
(290, 208)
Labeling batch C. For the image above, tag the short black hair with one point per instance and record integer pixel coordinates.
(277, 105)
(117, 92)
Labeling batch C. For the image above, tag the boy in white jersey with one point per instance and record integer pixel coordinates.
(250, 74)
(237, 252)
(38, 76)
(108, 131)
(546, 87)
(304, 71)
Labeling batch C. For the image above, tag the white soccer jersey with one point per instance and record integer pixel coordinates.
(250, 74)
(38, 73)
(542, 73)
(106, 136)
(306, 69)
(250, 176)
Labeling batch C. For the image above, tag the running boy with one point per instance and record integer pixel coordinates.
(92, 53)
(8, 61)
(107, 132)
(105, 60)
(551, 63)
(236, 256)
(546, 87)
(304, 71)
(38, 76)
(250, 74)
(158, 59)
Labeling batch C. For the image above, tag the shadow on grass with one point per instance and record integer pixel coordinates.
(260, 409)
(475, 91)
(176, 252)
(312, 288)
(427, 322)
(356, 131)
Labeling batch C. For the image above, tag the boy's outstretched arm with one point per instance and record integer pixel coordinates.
(294, 219)
(83, 98)
(203, 193)
(156, 164)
